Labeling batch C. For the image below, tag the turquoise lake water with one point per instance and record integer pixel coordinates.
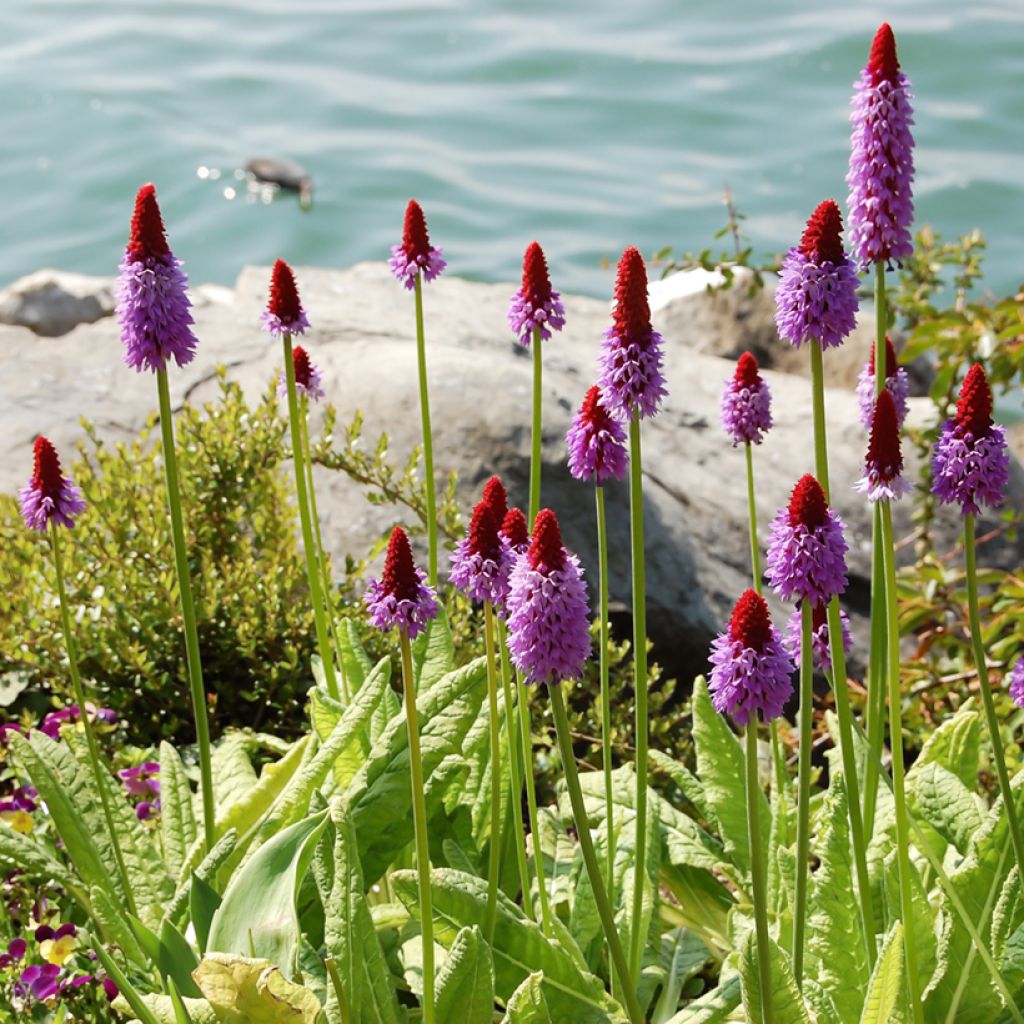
(586, 125)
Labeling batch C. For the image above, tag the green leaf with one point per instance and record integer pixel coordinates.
(688, 783)
(203, 901)
(433, 653)
(683, 955)
(519, 946)
(939, 797)
(788, 1006)
(254, 991)
(169, 953)
(886, 980)
(714, 1007)
(116, 928)
(465, 984)
(956, 746)
(258, 915)
(325, 713)
(177, 819)
(207, 869)
(233, 773)
(19, 851)
(355, 663)
(527, 1004)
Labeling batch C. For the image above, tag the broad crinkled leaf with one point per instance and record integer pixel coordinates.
(20, 851)
(714, 1007)
(787, 1003)
(683, 955)
(687, 782)
(207, 868)
(433, 653)
(941, 799)
(886, 980)
(177, 818)
(527, 1004)
(254, 991)
(465, 984)
(233, 773)
(956, 746)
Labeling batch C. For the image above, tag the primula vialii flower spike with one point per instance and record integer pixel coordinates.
(597, 442)
(881, 171)
(284, 313)
(496, 498)
(631, 378)
(806, 548)
(515, 531)
(746, 403)
(49, 495)
(153, 309)
(536, 306)
(482, 561)
(971, 463)
(401, 596)
(817, 294)
(883, 468)
(415, 254)
(548, 616)
(308, 378)
(751, 669)
(897, 383)
(820, 652)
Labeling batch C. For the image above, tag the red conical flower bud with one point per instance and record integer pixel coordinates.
(415, 240)
(300, 360)
(747, 374)
(884, 445)
(496, 498)
(882, 64)
(284, 295)
(148, 237)
(536, 282)
(399, 578)
(513, 529)
(546, 548)
(891, 365)
(632, 316)
(974, 409)
(751, 624)
(821, 240)
(807, 505)
(47, 476)
(483, 532)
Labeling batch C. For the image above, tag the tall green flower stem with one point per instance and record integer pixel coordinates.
(419, 820)
(309, 546)
(896, 742)
(83, 716)
(803, 805)
(188, 612)
(494, 859)
(837, 654)
(876, 680)
(326, 583)
(759, 884)
(535, 435)
(579, 813)
(636, 524)
(986, 693)
(755, 549)
(606, 698)
(516, 771)
(428, 437)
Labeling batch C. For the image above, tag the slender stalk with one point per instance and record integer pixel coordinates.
(83, 716)
(188, 613)
(516, 772)
(535, 437)
(419, 818)
(526, 738)
(755, 550)
(494, 859)
(759, 882)
(606, 699)
(803, 806)
(986, 693)
(837, 654)
(896, 741)
(308, 544)
(428, 437)
(636, 523)
(579, 813)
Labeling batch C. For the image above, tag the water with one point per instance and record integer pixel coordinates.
(588, 126)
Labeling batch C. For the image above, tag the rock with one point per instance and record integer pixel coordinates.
(52, 302)
(364, 341)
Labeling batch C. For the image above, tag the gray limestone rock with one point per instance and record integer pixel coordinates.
(52, 302)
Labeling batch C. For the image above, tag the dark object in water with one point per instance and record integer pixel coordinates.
(286, 174)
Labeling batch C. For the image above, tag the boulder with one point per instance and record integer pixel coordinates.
(52, 302)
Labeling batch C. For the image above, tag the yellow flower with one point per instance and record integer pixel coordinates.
(57, 951)
(20, 821)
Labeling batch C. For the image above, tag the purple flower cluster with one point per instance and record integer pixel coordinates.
(143, 780)
(153, 308)
(482, 561)
(548, 615)
(806, 547)
(415, 255)
(746, 403)
(308, 378)
(751, 668)
(1015, 686)
(284, 313)
(536, 306)
(56, 720)
(49, 495)
(401, 597)
(897, 383)
(883, 467)
(596, 441)
(881, 171)
(821, 653)
(817, 294)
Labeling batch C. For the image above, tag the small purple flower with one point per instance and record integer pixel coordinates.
(746, 403)
(482, 561)
(401, 597)
(40, 981)
(751, 669)
(806, 547)
(284, 313)
(146, 809)
(142, 780)
(152, 300)
(820, 652)
(415, 255)
(883, 468)
(881, 171)
(536, 306)
(7, 729)
(15, 951)
(49, 495)
(896, 381)
(307, 377)
(817, 294)
(110, 989)
(548, 616)
(1016, 683)
(631, 378)
(971, 463)
(597, 442)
